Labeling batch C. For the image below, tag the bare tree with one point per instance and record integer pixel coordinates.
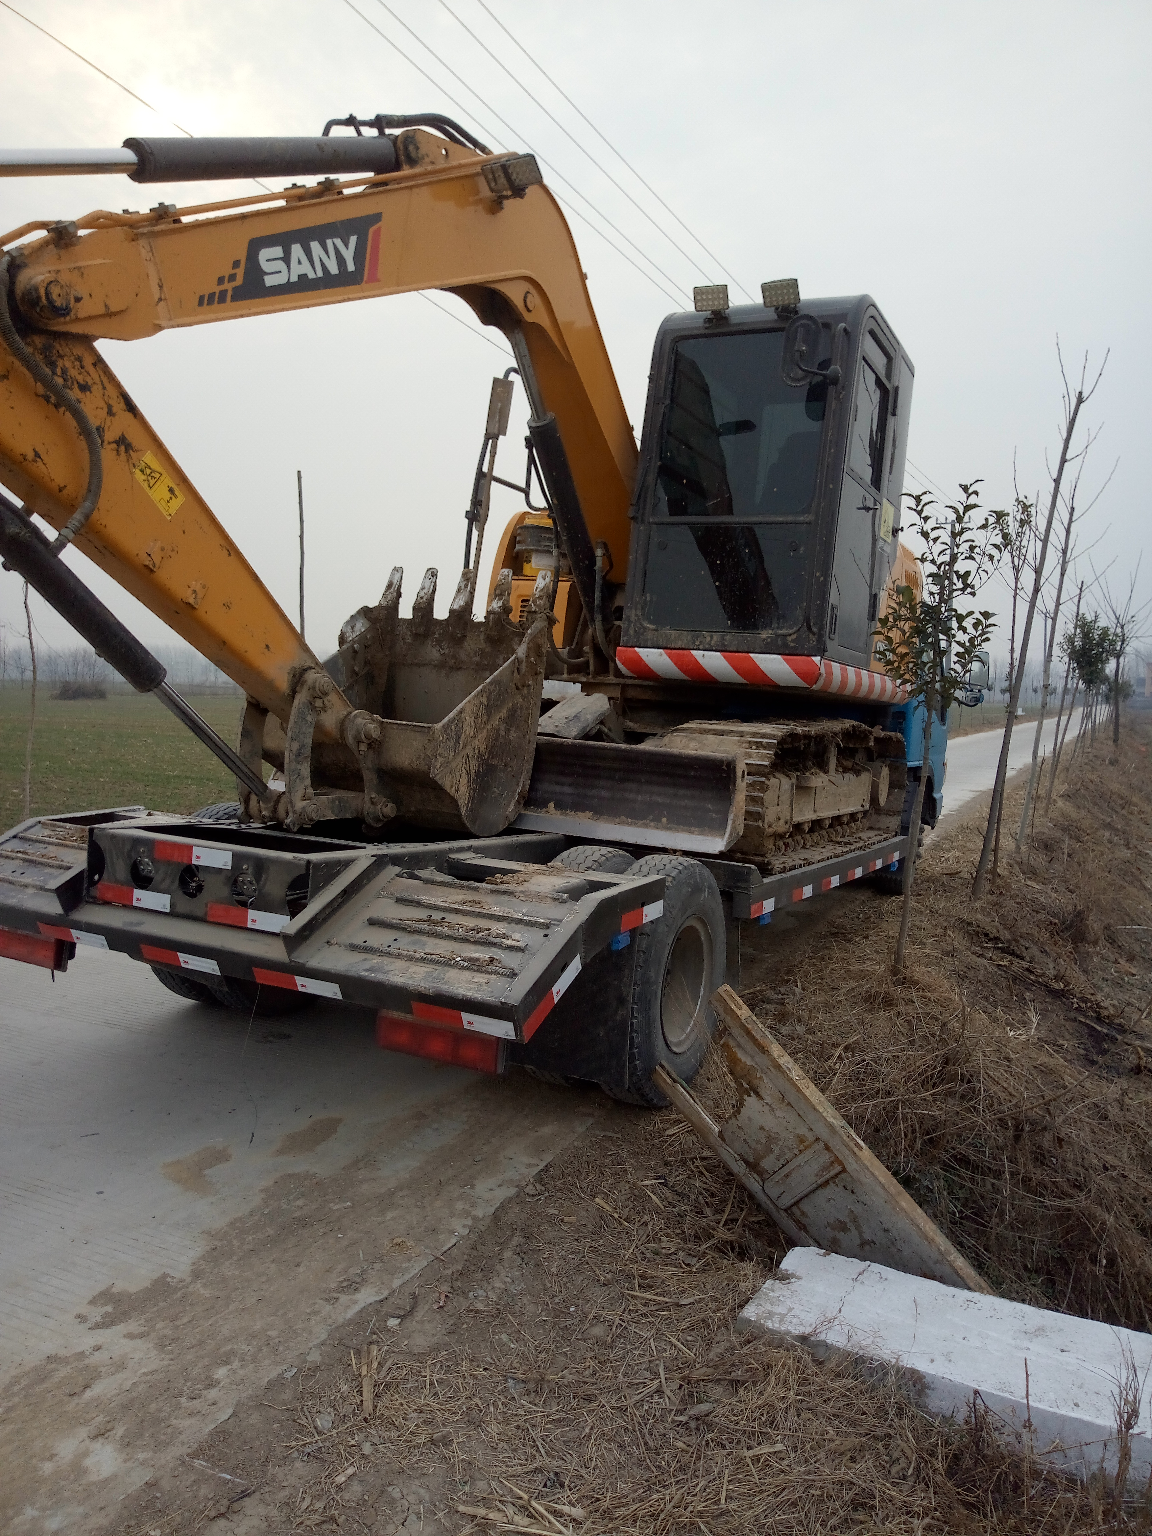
(1057, 743)
(1126, 622)
(1073, 405)
(1046, 686)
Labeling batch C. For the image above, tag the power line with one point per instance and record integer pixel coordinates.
(110, 78)
(676, 298)
(459, 319)
(571, 136)
(519, 136)
(925, 478)
(626, 163)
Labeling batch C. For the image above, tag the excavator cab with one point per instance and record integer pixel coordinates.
(767, 502)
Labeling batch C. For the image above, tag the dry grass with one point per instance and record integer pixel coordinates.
(594, 1384)
(1002, 1080)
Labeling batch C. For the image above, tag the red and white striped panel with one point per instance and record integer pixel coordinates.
(73, 935)
(246, 917)
(454, 1018)
(641, 915)
(130, 896)
(762, 671)
(859, 683)
(501, 1029)
(193, 853)
(177, 958)
(291, 983)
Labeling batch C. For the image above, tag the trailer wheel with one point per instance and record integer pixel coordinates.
(590, 858)
(251, 998)
(679, 964)
(890, 882)
(226, 811)
(183, 986)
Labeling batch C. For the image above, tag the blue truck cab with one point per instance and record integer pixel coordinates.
(909, 719)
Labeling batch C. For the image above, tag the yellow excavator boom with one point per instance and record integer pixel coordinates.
(483, 227)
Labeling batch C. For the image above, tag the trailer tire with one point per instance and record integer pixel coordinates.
(257, 1001)
(679, 963)
(890, 882)
(183, 986)
(226, 811)
(592, 859)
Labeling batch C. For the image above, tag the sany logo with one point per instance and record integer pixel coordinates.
(339, 255)
(276, 270)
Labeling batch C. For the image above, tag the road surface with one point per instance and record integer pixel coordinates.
(187, 1203)
(972, 760)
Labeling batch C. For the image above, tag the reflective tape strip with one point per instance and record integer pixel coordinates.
(802, 893)
(290, 983)
(641, 915)
(760, 907)
(193, 853)
(455, 1018)
(758, 670)
(830, 882)
(567, 976)
(177, 958)
(73, 936)
(130, 896)
(247, 917)
(853, 874)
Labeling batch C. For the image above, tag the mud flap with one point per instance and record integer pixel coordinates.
(804, 1164)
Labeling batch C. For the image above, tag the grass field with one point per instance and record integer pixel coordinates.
(123, 750)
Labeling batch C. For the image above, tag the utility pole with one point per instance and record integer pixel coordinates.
(300, 502)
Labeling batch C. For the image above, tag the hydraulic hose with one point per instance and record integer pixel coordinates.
(67, 402)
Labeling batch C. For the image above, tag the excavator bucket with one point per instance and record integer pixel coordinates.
(455, 703)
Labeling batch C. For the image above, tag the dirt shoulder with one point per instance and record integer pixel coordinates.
(572, 1364)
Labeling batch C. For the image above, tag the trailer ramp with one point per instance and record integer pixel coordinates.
(441, 934)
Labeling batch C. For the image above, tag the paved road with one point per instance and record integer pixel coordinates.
(149, 1146)
(972, 760)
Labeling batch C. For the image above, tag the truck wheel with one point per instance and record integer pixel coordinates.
(183, 986)
(679, 963)
(248, 997)
(590, 859)
(226, 811)
(890, 882)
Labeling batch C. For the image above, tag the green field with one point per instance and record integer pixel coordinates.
(123, 750)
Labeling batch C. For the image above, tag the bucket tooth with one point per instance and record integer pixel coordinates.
(460, 608)
(422, 603)
(390, 597)
(500, 608)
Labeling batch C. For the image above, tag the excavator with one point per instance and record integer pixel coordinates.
(526, 834)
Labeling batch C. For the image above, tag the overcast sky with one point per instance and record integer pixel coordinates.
(983, 170)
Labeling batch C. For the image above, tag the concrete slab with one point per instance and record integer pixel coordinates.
(1062, 1375)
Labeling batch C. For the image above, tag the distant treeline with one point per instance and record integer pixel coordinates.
(79, 665)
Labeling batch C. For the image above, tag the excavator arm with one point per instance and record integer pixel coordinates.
(481, 226)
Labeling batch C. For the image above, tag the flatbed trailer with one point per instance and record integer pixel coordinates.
(482, 952)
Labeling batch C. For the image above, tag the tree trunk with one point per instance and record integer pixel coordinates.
(31, 713)
(1116, 695)
(914, 838)
(1060, 712)
(1018, 682)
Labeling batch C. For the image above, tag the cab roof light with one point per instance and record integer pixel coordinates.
(711, 299)
(782, 295)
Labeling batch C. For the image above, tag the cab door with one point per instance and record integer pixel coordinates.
(867, 517)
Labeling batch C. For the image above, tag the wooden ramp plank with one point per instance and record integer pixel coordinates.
(806, 1166)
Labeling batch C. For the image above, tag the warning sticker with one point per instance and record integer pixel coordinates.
(167, 496)
(887, 518)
